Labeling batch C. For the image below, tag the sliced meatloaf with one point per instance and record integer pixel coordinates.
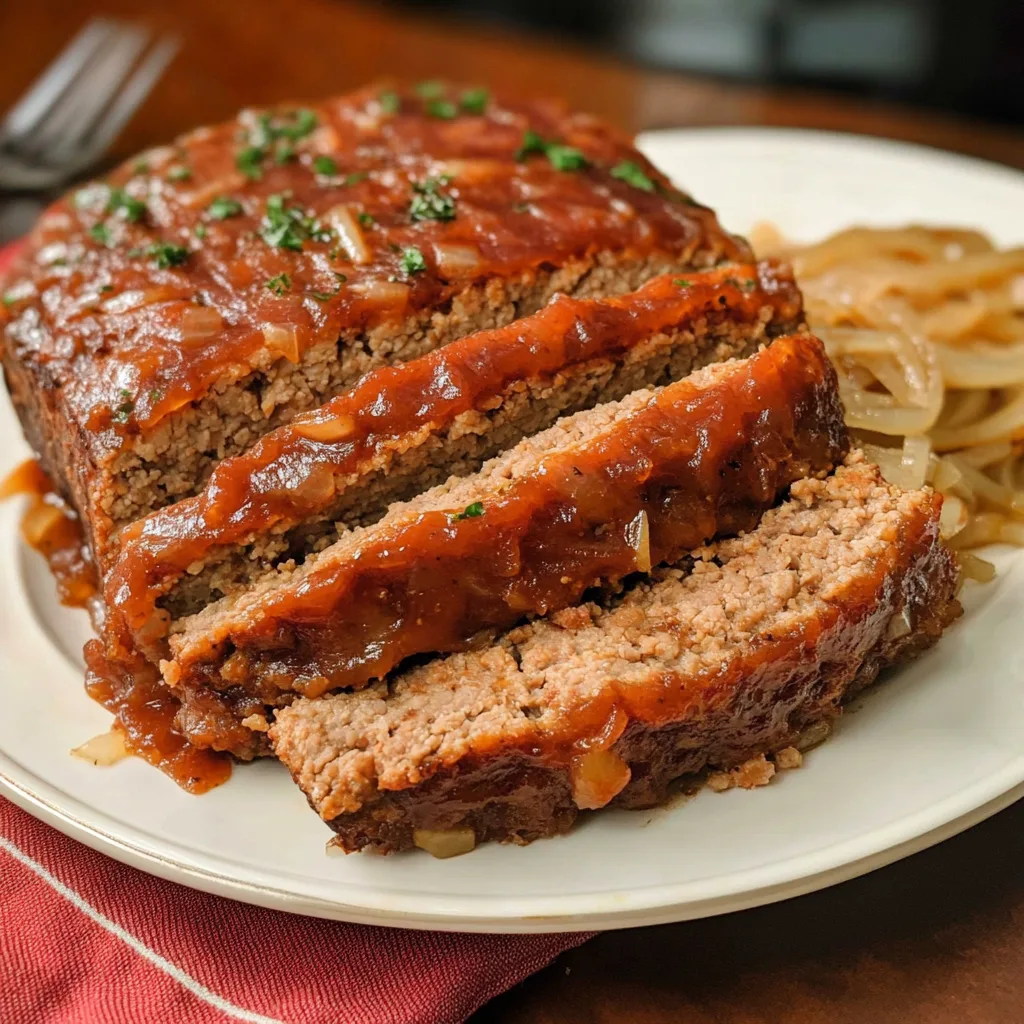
(600, 495)
(730, 655)
(202, 295)
(405, 429)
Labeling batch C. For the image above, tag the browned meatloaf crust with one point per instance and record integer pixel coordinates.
(405, 429)
(201, 296)
(733, 657)
(595, 498)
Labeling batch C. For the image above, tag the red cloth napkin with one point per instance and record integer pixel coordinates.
(86, 940)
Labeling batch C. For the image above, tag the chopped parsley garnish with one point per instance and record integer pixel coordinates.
(104, 288)
(9, 299)
(223, 207)
(413, 261)
(532, 143)
(632, 174)
(287, 227)
(431, 90)
(155, 395)
(100, 233)
(167, 254)
(325, 165)
(355, 177)
(566, 158)
(279, 284)
(200, 231)
(430, 203)
(745, 285)
(474, 101)
(120, 202)
(141, 167)
(366, 219)
(125, 409)
(444, 109)
(520, 207)
(471, 511)
(284, 152)
(179, 173)
(562, 157)
(682, 282)
(248, 161)
(389, 102)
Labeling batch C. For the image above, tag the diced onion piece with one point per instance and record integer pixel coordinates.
(199, 322)
(334, 428)
(350, 234)
(638, 534)
(282, 340)
(39, 521)
(597, 777)
(453, 259)
(788, 758)
(444, 843)
(899, 624)
(975, 568)
(953, 517)
(106, 749)
(315, 488)
(946, 477)
(383, 293)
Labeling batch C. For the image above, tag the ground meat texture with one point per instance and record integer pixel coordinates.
(405, 429)
(729, 656)
(597, 497)
(201, 296)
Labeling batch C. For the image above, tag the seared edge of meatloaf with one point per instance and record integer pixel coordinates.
(734, 655)
(168, 316)
(402, 430)
(598, 496)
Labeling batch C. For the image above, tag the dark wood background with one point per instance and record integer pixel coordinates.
(936, 939)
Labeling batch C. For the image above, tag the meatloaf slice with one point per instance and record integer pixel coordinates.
(600, 495)
(728, 656)
(403, 430)
(201, 296)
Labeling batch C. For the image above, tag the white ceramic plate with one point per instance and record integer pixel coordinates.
(934, 750)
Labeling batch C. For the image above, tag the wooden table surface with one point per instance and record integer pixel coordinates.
(936, 939)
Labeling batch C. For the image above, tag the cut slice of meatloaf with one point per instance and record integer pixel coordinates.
(403, 430)
(199, 297)
(600, 495)
(731, 655)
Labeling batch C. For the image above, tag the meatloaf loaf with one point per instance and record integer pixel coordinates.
(199, 297)
(599, 496)
(405, 429)
(729, 655)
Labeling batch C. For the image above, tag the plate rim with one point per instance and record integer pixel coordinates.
(662, 903)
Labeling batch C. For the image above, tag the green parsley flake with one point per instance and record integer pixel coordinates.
(200, 231)
(632, 174)
(283, 152)
(390, 102)
(279, 284)
(413, 261)
(430, 203)
(166, 254)
(141, 167)
(125, 409)
(105, 288)
(287, 227)
(248, 161)
(223, 207)
(355, 177)
(100, 233)
(471, 511)
(9, 299)
(566, 158)
(443, 109)
(366, 219)
(155, 395)
(474, 101)
(120, 202)
(179, 173)
(682, 282)
(325, 165)
(532, 143)
(431, 90)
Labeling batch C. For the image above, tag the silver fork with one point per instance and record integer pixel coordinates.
(76, 108)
